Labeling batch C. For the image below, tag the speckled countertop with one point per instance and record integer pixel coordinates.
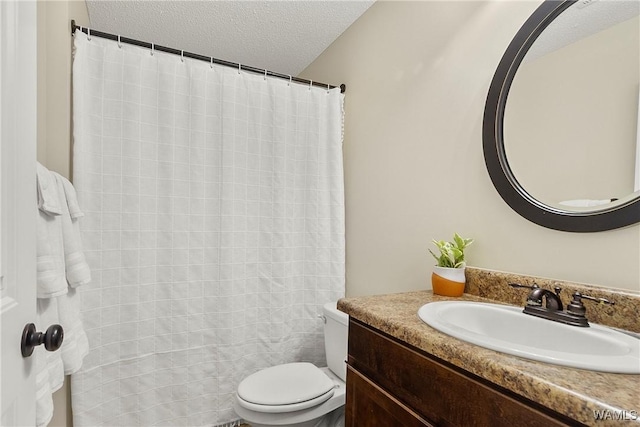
(575, 393)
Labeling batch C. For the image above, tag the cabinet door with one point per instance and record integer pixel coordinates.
(370, 406)
(443, 395)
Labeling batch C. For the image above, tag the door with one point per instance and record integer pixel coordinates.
(17, 207)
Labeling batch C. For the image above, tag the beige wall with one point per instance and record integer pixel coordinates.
(54, 80)
(54, 114)
(417, 74)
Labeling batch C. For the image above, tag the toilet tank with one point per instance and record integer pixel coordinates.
(336, 326)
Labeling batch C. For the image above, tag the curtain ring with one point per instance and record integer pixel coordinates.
(310, 84)
(239, 68)
(289, 79)
(182, 55)
(265, 74)
(152, 48)
(88, 33)
(328, 87)
(211, 65)
(119, 44)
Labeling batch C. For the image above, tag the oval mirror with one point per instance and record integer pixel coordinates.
(560, 133)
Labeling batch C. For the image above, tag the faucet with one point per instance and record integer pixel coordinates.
(552, 301)
(553, 308)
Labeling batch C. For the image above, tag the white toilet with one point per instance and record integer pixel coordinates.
(300, 394)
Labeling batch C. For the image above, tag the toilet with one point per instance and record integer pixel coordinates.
(300, 394)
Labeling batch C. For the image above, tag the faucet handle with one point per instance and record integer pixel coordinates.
(590, 298)
(577, 307)
(518, 285)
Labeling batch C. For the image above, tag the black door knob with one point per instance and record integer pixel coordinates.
(52, 339)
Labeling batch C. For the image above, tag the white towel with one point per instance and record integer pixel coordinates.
(48, 364)
(72, 198)
(52, 366)
(60, 261)
(47, 315)
(51, 280)
(48, 197)
(76, 267)
(75, 345)
(44, 400)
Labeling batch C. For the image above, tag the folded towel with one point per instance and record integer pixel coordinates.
(77, 269)
(51, 280)
(44, 400)
(75, 345)
(72, 198)
(52, 366)
(47, 314)
(48, 197)
(60, 260)
(48, 364)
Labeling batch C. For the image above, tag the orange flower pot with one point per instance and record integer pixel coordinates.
(448, 282)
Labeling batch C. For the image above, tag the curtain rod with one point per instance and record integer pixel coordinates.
(199, 57)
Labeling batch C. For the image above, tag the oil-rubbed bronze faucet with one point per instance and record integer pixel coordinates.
(553, 309)
(552, 301)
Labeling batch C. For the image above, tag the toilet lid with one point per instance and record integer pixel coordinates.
(286, 385)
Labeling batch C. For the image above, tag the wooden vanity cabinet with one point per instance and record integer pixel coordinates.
(392, 384)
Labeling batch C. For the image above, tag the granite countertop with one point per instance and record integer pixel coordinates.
(575, 393)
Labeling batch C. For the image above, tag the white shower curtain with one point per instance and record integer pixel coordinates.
(214, 230)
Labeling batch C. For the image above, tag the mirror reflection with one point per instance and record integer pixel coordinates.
(571, 132)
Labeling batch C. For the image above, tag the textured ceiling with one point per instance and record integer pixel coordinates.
(281, 36)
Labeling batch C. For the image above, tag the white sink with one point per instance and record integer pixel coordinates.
(508, 330)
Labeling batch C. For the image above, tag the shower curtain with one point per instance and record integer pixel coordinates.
(214, 230)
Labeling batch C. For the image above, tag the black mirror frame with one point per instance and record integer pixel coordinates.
(621, 215)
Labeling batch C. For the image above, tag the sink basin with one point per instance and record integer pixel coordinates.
(506, 329)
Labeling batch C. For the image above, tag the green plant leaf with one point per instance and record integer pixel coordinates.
(459, 241)
(451, 253)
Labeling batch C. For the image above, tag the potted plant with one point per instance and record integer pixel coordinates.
(448, 277)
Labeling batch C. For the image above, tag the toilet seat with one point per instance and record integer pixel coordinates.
(285, 388)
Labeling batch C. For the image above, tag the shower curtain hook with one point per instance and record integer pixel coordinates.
(152, 48)
(310, 84)
(265, 74)
(289, 79)
(88, 33)
(211, 65)
(182, 55)
(119, 44)
(328, 88)
(239, 68)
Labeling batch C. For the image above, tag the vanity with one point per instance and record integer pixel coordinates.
(403, 372)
